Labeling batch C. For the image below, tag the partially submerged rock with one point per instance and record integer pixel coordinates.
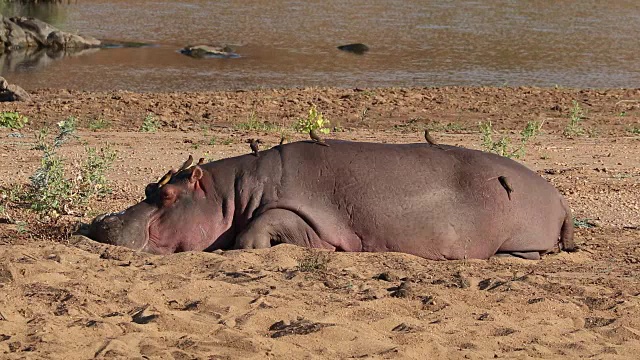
(26, 32)
(31, 42)
(10, 92)
(356, 48)
(61, 40)
(207, 51)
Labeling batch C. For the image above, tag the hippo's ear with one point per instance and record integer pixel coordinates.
(150, 190)
(196, 174)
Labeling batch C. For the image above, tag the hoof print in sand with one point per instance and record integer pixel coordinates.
(535, 300)
(404, 328)
(593, 322)
(430, 303)
(138, 317)
(298, 327)
(504, 331)
(460, 281)
(404, 290)
(385, 276)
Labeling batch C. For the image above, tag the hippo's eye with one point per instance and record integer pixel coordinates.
(168, 195)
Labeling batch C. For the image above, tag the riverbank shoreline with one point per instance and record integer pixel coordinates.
(507, 108)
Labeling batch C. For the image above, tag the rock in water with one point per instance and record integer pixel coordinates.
(26, 32)
(10, 92)
(206, 51)
(357, 48)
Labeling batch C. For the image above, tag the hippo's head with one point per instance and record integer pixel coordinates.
(176, 215)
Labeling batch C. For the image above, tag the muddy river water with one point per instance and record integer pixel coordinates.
(568, 43)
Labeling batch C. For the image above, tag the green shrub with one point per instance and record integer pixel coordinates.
(314, 261)
(222, 141)
(583, 223)
(67, 128)
(314, 121)
(150, 124)
(12, 120)
(576, 116)
(254, 124)
(51, 191)
(502, 146)
(99, 124)
(93, 180)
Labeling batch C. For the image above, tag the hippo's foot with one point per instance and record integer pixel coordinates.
(529, 255)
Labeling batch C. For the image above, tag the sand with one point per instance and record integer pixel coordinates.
(69, 297)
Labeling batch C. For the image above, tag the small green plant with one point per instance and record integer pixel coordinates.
(314, 121)
(67, 129)
(411, 125)
(99, 124)
(150, 124)
(499, 147)
(215, 141)
(254, 124)
(622, 175)
(448, 127)
(12, 120)
(207, 157)
(93, 180)
(48, 187)
(583, 223)
(50, 191)
(21, 227)
(634, 130)
(502, 146)
(576, 116)
(363, 113)
(367, 93)
(314, 261)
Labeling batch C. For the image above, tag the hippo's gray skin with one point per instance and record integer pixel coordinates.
(437, 203)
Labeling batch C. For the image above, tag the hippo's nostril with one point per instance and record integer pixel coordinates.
(99, 218)
(84, 229)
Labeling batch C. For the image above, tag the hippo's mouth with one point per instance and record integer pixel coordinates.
(121, 229)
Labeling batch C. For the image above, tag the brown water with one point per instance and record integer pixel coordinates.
(293, 43)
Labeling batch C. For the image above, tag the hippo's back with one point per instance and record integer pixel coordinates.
(433, 202)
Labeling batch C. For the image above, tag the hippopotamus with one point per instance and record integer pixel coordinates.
(438, 203)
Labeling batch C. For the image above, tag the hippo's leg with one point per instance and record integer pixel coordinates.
(529, 255)
(278, 226)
